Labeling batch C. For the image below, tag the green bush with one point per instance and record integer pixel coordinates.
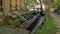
(13, 22)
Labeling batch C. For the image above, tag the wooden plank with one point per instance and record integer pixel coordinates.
(18, 4)
(6, 11)
(13, 4)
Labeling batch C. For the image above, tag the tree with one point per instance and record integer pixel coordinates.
(56, 2)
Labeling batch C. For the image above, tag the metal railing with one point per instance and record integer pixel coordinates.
(38, 25)
(28, 23)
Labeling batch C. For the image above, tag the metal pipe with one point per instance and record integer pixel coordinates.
(28, 23)
(39, 24)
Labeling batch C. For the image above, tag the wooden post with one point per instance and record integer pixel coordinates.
(6, 11)
(41, 5)
(48, 7)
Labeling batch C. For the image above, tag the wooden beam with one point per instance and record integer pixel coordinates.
(5, 11)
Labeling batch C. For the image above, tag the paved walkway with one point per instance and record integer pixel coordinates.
(57, 21)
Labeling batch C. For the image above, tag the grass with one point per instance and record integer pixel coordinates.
(49, 27)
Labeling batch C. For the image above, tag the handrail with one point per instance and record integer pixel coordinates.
(40, 21)
(28, 23)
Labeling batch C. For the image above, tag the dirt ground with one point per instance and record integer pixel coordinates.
(57, 21)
